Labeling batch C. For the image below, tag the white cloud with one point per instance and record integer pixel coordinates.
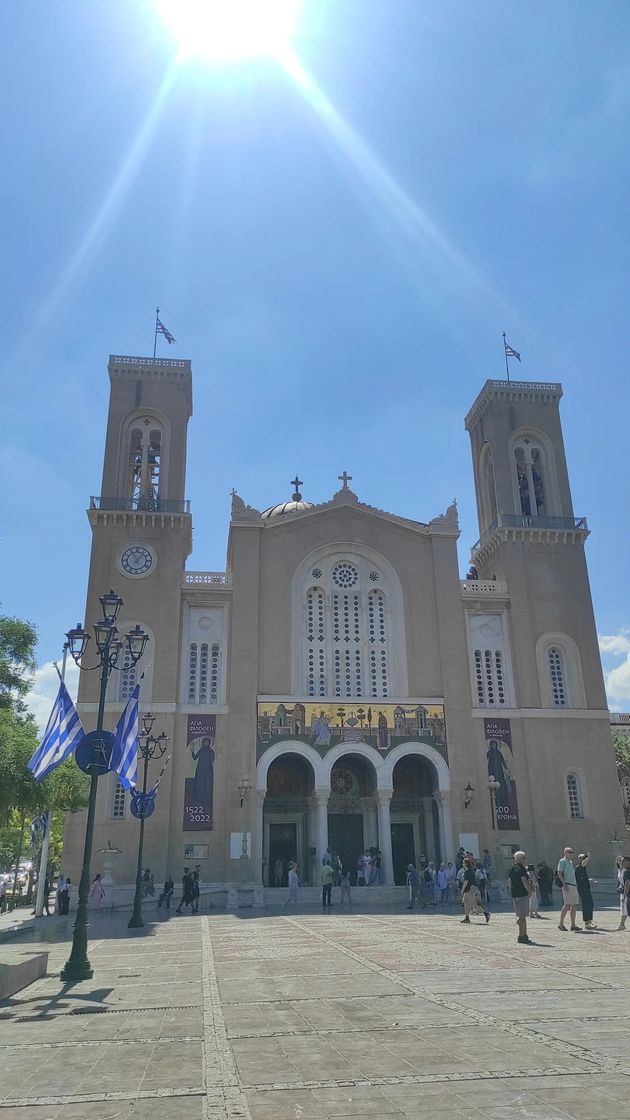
(618, 684)
(45, 687)
(614, 644)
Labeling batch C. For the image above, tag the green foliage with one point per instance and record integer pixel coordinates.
(17, 661)
(65, 790)
(621, 741)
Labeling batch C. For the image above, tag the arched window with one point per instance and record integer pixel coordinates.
(144, 458)
(346, 652)
(489, 677)
(488, 487)
(128, 677)
(557, 676)
(531, 477)
(316, 641)
(118, 801)
(574, 794)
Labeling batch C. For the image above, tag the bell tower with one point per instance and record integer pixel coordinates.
(531, 539)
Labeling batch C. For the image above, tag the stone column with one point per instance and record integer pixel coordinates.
(384, 797)
(321, 802)
(429, 835)
(258, 798)
(443, 799)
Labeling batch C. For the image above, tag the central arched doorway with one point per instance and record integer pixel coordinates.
(352, 812)
(288, 819)
(414, 815)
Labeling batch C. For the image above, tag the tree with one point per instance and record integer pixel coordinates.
(17, 661)
(621, 742)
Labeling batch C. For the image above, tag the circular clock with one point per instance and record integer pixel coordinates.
(137, 560)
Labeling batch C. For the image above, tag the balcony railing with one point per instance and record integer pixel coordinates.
(207, 579)
(521, 521)
(141, 505)
(473, 588)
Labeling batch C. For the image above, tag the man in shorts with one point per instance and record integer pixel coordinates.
(521, 886)
(570, 896)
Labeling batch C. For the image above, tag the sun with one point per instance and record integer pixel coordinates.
(230, 29)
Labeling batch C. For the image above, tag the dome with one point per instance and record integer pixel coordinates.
(296, 505)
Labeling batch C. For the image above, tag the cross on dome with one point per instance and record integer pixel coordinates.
(345, 478)
(297, 482)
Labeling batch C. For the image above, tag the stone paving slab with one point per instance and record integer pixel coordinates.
(312, 1017)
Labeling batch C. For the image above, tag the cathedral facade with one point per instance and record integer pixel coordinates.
(340, 685)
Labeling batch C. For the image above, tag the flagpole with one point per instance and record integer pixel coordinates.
(43, 858)
(507, 364)
(157, 314)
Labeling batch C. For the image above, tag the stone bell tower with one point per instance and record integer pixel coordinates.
(141, 537)
(531, 546)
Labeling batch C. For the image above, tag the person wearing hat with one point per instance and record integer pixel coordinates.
(583, 884)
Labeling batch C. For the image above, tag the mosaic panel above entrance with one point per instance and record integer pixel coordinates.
(322, 726)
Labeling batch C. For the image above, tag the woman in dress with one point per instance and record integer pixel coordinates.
(534, 898)
(97, 893)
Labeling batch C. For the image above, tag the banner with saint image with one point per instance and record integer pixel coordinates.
(499, 756)
(199, 786)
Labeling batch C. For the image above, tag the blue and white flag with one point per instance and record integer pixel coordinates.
(63, 733)
(124, 759)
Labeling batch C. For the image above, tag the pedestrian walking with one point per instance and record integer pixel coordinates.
(148, 886)
(545, 883)
(327, 876)
(570, 896)
(583, 884)
(64, 897)
(378, 868)
(412, 883)
(429, 883)
(534, 898)
(97, 893)
(187, 891)
(487, 865)
(196, 888)
(482, 882)
(471, 895)
(346, 888)
(624, 897)
(61, 886)
(521, 886)
(443, 884)
(167, 893)
(294, 887)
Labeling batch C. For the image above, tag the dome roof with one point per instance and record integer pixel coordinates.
(296, 505)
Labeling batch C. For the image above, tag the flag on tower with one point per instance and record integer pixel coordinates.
(161, 329)
(509, 351)
(63, 733)
(124, 757)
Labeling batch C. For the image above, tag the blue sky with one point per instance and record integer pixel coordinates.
(338, 265)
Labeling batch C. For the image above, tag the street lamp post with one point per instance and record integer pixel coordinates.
(494, 786)
(109, 645)
(150, 748)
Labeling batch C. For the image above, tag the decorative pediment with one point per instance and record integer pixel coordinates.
(241, 511)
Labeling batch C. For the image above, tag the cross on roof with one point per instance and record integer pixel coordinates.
(345, 478)
(296, 483)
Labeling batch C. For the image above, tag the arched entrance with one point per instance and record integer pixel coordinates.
(414, 818)
(288, 827)
(352, 812)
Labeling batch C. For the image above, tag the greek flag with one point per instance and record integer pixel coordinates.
(63, 733)
(161, 329)
(510, 352)
(124, 759)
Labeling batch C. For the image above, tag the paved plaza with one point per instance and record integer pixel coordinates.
(310, 1017)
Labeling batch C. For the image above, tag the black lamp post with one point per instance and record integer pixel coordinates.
(108, 645)
(150, 747)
